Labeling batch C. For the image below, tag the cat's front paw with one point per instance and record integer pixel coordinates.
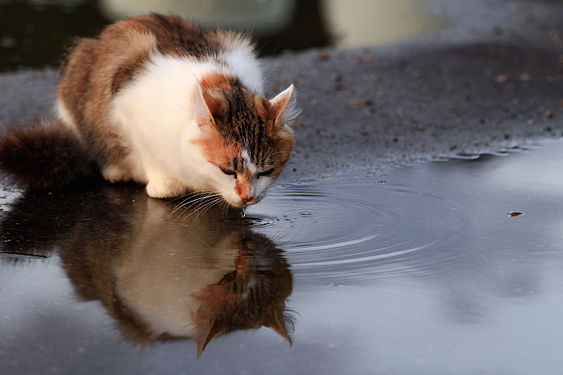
(164, 188)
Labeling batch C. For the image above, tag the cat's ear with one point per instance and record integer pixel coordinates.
(282, 107)
(207, 105)
(278, 324)
(204, 335)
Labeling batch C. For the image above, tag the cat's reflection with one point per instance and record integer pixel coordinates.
(161, 275)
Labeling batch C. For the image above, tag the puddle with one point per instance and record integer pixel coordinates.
(446, 267)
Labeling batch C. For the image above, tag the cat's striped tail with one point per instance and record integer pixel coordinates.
(46, 156)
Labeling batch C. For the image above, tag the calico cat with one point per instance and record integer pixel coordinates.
(160, 276)
(156, 100)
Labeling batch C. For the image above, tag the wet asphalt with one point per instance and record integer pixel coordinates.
(457, 91)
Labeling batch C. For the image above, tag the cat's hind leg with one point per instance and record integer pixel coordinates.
(123, 171)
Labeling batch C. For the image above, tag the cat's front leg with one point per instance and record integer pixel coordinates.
(164, 188)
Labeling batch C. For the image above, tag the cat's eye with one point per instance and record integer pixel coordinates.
(229, 172)
(265, 173)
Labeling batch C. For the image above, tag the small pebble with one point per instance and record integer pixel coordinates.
(324, 54)
(501, 78)
(361, 101)
(524, 77)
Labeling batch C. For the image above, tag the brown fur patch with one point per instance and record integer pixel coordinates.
(128, 70)
(176, 37)
(262, 106)
(216, 81)
(215, 85)
(217, 151)
(215, 102)
(97, 70)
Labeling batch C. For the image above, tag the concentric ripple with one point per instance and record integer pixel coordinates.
(342, 231)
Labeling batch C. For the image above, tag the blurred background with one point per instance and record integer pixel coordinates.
(35, 33)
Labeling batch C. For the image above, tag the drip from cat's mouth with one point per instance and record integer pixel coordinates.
(247, 202)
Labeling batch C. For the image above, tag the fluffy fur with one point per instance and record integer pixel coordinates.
(158, 101)
(44, 157)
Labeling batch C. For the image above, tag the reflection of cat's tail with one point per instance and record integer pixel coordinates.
(46, 156)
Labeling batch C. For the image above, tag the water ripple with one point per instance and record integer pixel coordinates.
(354, 231)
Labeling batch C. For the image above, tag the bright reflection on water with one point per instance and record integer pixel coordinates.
(422, 272)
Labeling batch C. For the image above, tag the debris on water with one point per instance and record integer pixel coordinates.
(366, 102)
(336, 77)
(324, 54)
(501, 78)
(524, 77)
(514, 213)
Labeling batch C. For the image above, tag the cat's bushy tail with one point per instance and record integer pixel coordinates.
(45, 156)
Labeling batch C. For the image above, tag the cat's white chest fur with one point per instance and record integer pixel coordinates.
(156, 115)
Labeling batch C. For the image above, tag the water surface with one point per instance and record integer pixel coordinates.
(423, 271)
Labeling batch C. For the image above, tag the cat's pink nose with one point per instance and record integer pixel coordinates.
(246, 198)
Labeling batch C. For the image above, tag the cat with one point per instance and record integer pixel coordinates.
(160, 276)
(156, 100)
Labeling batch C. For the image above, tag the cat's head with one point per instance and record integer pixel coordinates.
(243, 138)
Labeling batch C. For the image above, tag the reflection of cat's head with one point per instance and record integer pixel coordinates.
(168, 277)
(251, 295)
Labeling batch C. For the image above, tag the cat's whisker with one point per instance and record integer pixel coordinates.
(199, 211)
(193, 199)
(200, 204)
(216, 201)
(180, 205)
(188, 208)
(225, 209)
(184, 204)
(209, 205)
(199, 193)
(187, 195)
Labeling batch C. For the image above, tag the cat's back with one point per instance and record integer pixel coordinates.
(104, 66)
